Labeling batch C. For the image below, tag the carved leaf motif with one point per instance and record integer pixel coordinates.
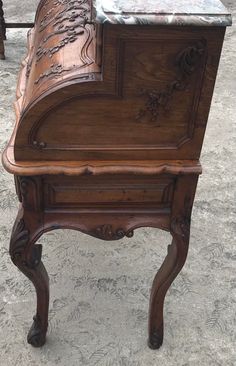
(19, 240)
(20, 254)
(187, 61)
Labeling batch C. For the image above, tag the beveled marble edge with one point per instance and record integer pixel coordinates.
(166, 19)
(116, 16)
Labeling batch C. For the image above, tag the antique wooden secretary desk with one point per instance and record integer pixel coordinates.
(112, 106)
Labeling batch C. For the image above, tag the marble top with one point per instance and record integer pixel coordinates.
(166, 12)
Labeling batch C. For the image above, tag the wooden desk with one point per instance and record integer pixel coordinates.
(111, 112)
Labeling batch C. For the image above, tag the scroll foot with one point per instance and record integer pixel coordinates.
(37, 335)
(156, 338)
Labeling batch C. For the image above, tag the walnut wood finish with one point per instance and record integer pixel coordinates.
(27, 257)
(108, 207)
(156, 113)
(110, 121)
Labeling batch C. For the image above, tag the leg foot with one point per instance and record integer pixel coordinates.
(156, 338)
(37, 335)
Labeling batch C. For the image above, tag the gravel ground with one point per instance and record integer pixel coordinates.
(99, 290)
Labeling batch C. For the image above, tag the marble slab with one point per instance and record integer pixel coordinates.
(163, 12)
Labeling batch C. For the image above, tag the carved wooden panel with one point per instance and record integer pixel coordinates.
(62, 29)
(150, 99)
(132, 121)
(109, 191)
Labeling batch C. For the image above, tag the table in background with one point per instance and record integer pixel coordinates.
(4, 26)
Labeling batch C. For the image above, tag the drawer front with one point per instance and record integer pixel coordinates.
(108, 192)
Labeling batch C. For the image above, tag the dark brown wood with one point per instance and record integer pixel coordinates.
(107, 142)
(27, 257)
(19, 25)
(2, 31)
(128, 90)
(177, 254)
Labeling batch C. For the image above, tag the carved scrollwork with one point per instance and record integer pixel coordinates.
(24, 187)
(18, 247)
(69, 21)
(55, 69)
(187, 62)
(19, 240)
(28, 192)
(73, 9)
(107, 232)
(28, 68)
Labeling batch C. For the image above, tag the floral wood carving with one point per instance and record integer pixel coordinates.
(69, 21)
(187, 62)
(19, 240)
(107, 232)
(18, 247)
(55, 69)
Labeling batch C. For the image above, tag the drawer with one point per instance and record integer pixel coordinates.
(108, 192)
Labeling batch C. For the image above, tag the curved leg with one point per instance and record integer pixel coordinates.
(27, 257)
(173, 263)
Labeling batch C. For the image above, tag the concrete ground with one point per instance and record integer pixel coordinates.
(100, 290)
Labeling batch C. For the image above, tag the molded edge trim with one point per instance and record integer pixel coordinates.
(146, 167)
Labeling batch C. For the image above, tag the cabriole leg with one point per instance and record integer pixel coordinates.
(27, 257)
(175, 259)
(173, 263)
